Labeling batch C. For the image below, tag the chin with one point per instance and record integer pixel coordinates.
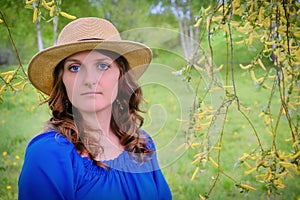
(94, 109)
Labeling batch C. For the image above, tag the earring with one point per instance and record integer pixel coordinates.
(119, 104)
(67, 104)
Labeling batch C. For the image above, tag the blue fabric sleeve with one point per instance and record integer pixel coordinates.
(47, 171)
(164, 192)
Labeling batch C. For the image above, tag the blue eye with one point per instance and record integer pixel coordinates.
(103, 67)
(74, 68)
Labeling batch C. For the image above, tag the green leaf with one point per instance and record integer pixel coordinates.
(29, 6)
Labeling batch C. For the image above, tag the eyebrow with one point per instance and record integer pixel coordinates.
(71, 60)
(97, 60)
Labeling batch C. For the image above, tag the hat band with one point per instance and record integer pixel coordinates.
(91, 39)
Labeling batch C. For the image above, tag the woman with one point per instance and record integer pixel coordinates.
(93, 146)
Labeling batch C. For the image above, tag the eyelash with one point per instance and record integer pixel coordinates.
(106, 66)
(71, 67)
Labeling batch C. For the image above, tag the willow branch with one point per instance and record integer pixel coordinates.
(14, 46)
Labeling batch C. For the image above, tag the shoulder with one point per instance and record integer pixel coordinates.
(50, 167)
(50, 138)
(48, 153)
(50, 142)
(149, 141)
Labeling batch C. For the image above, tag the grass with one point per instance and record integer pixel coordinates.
(21, 118)
(168, 101)
(238, 139)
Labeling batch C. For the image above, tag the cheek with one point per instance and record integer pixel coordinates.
(69, 85)
(115, 90)
(111, 84)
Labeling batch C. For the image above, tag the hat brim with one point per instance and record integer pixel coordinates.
(41, 66)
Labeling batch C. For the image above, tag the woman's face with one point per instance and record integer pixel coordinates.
(91, 81)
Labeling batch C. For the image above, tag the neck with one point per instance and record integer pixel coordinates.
(98, 137)
(97, 121)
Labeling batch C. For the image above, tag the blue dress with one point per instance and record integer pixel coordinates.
(54, 170)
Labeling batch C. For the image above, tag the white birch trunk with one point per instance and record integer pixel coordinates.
(188, 34)
(38, 32)
(55, 28)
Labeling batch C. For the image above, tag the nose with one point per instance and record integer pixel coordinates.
(89, 84)
(90, 78)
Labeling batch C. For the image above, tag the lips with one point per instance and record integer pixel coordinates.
(90, 93)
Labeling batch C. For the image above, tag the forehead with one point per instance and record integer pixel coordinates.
(89, 55)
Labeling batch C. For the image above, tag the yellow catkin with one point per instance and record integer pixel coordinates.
(217, 18)
(266, 87)
(196, 160)
(18, 84)
(35, 14)
(195, 144)
(201, 59)
(281, 185)
(7, 73)
(227, 86)
(213, 161)
(281, 175)
(248, 187)
(9, 78)
(66, 15)
(207, 10)
(261, 14)
(29, 1)
(252, 16)
(250, 170)
(252, 74)
(246, 67)
(51, 12)
(247, 165)
(240, 42)
(45, 4)
(293, 156)
(297, 34)
(201, 197)
(206, 124)
(2, 89)
(260, 176)
(198, 22)
(261, 114)
(270, 42)
(269, 131)
(261, 64)
(207, 23)
(296, 90)
(295, 168)
(219, 68)
(183, 145)
(216, 148)
(245, 156)
(195, 173)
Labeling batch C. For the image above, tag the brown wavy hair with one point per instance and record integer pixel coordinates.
(125, 119)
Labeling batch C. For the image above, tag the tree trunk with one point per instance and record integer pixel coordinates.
(55, 27)
(39, 35)
(38, 32)
(188, 34)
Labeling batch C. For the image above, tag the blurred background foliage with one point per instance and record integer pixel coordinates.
(242, 58)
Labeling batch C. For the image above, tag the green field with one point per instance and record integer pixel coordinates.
(22, 117)
(168, 100)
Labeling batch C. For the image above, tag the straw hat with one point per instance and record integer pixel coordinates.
(81, 35)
